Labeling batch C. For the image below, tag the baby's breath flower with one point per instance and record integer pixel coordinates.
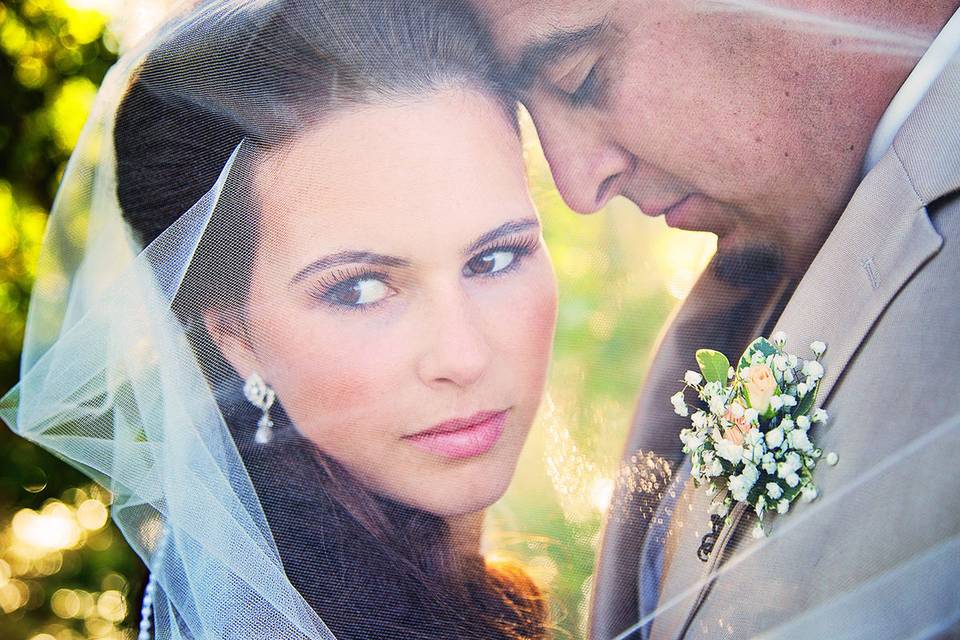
(774, 490)
(813, 369)
(679, 405)
(692, 378)
(718, 405)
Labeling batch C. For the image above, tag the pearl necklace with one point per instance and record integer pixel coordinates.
(149, 594)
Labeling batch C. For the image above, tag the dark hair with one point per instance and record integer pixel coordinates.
(372, 568)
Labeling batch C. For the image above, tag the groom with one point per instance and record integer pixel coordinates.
(820, 141)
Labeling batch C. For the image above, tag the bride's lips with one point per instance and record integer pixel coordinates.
(462, 437)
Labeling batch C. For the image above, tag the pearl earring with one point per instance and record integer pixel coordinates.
(261, 396)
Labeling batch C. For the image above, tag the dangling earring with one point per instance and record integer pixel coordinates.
(261, 396)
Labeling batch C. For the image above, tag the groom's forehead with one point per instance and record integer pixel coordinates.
(523, 28)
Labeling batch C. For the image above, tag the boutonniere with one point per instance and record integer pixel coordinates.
(750, 443)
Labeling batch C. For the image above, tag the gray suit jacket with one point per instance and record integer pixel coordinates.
(883, 293)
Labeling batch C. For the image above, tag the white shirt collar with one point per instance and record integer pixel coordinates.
(944, 47)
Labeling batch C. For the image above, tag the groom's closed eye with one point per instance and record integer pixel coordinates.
(539, 56)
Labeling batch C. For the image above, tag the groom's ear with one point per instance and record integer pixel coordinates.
(229, 333)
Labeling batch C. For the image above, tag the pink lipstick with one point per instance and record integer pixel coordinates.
(462, 437)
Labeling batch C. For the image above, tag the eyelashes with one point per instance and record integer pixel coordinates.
(489, 261)
(589, 89)
(360, 288)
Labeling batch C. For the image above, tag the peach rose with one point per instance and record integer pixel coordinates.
(739, 427)
(761, 386)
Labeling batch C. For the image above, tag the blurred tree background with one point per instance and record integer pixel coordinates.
(66, 573)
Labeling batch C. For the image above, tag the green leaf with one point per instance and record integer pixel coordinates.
(807, 403)
(762, 345)
(713, 365)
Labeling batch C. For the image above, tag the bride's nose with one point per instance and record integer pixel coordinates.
(455, 349)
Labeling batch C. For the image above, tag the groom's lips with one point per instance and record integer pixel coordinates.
(692, 212)
(462, 437)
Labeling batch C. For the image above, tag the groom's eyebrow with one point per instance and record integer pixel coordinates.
(539, 54)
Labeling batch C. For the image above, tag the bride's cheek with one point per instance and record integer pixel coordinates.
(329, 374)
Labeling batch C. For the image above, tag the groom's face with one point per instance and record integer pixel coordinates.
(720, 121)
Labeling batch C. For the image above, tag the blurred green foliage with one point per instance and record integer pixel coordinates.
(620, 276)
(74, 577)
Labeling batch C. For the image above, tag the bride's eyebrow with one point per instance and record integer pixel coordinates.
(348, 257)
(507, 228)
(538, 55)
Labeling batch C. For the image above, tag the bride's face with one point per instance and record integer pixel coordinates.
(402, 304)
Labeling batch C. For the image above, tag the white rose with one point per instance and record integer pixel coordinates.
(774, 490)
(783, 506)
(776, 403)
(751, 415)
(729, 451)
(692, 378)
(788, 400)
(774, 437)
(802, 388)
(792, 480)
(779, 338)
(819, 415)
(809, 493)
(803, 422)
(818, 348)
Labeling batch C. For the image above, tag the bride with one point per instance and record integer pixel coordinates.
(295, 311)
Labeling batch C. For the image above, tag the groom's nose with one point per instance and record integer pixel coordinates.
(588, 169)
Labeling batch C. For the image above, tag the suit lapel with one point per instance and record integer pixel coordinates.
(883, 238)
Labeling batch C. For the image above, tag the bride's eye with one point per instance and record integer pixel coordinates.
(499, 259)
(356, 292)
